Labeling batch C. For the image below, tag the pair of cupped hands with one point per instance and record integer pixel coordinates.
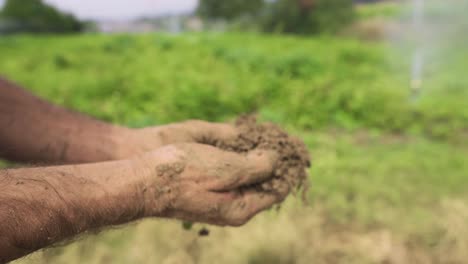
(185, 177)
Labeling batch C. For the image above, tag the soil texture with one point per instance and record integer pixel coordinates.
(294, 156)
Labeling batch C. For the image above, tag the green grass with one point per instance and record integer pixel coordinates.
(310, 83)
(359, 175)
(389, 176)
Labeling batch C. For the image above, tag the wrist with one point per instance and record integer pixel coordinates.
(132, 142)
(158, 173)
(90, 144)
(126, 145)
(119, 192)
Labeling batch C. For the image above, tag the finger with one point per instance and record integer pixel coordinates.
(210, 133)
(204, 207)
(226, 208)
(251, 203)
(257, 166)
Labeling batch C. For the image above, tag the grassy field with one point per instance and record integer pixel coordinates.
(308, 83)
(389, 176)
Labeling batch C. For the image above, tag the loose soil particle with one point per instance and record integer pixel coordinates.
(294, 156)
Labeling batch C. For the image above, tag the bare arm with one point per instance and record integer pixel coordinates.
(42, 206)
(34, 130)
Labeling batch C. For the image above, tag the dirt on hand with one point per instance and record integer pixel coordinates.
(294, 156)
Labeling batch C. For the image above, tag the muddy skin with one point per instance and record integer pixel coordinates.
(291, 170)
(170, 171)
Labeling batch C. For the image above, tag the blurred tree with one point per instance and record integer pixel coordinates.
(216, 9)
(36, 16)
(307, 16)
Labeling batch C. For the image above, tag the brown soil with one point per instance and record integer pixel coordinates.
(294, 156)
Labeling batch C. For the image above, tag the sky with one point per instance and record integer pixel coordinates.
(121, 9)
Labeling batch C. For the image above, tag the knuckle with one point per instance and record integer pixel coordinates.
(170, 154)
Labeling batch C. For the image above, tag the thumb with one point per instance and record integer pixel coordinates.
(257, 166)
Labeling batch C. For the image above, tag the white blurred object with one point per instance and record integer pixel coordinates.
(418, 56)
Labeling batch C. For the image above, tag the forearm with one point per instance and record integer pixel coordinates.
(191, 182)
(33, 130)
(42, 206)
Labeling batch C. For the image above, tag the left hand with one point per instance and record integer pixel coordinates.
(137, 141)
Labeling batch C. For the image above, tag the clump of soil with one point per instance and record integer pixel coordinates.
(294, 156)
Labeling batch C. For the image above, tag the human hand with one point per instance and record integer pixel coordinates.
(137, 141)
(201, 183)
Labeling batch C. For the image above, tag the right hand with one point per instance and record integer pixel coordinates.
(201, 183)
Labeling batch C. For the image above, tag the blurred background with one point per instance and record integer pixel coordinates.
(377, 89)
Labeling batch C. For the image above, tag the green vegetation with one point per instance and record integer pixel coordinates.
(309, 83)
(281, 16)
(213, 9)
(389, 175)
(35, 16)
(307, 16)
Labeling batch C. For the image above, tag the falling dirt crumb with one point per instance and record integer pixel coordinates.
(294, 156)
(204, 232)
